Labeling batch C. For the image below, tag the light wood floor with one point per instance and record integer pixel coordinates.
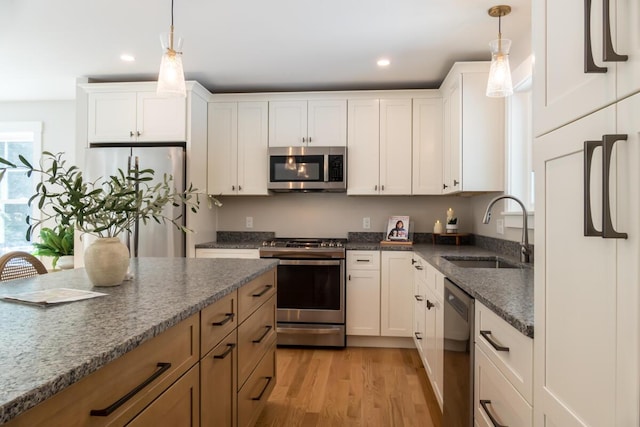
(350, 387)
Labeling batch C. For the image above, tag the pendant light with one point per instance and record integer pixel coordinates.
(171, 76)
(499, 84)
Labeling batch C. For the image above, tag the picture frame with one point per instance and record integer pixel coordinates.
(397, 228)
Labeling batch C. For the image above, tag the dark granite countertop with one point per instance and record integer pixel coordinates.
(45, 350)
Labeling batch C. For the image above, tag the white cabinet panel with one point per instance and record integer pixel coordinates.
(316, 123)
(287, 123)
(395, 146)
(427, 146)
(112, 117)
(396, 314)
(161, 119)
(363, 293)
(364, 146)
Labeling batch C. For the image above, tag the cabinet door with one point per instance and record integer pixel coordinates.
(161, 119)
(222, 173)
(432, 345)
(363, 302)
(287, 123)
(575, 284)
(627, 42)
(427, 146)
(395, 146)
(452, 139)
(252, 148)
(218, 376)
(112, 117)
(396, 300)
(363, 155)
(563, 91)
(178, 406)
(327, 123)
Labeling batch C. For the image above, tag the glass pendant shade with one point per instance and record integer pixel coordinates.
(171, 78)
(499, 84)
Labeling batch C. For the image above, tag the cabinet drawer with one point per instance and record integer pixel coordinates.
(254, 338)
(255, 293)
(496, 397)
(517, 363)
(419, 268)
(179, 406)
(217, 320)
(218, 388)
(253, 396)
(363, 260)
(177, 347)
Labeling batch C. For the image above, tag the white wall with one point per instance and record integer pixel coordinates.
(333, 215)
(58, 122)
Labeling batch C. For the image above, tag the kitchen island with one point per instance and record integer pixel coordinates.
(45, 350)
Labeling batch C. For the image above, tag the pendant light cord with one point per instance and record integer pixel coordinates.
(172, 13)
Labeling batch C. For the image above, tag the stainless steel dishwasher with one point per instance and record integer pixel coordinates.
(458, 357)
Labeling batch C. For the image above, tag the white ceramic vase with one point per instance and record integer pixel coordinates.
(106, 261)
(65, 262)
(451, 228)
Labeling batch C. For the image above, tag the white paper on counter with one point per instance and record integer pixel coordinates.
(52, 296)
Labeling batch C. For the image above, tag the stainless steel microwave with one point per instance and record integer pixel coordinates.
(308, 169)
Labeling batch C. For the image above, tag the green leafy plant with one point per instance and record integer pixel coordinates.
(105, 207)
(55, 243)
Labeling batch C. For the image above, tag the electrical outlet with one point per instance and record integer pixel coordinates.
(249, 222)
(366, 223)
(500, 226)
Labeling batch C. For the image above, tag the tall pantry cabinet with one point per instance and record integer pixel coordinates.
(587, 279)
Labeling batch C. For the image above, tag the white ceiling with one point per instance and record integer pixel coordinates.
(247, 45)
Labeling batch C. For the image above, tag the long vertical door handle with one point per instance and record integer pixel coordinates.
(609, 54)
(589, 64)
(589, 229)
(608, 232)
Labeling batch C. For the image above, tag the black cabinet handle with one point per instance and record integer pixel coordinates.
(608, 232)
(266, 386)
(445, 186)
(262, 292)
(589, 64)
(419, 297)
(609, 53)
(164, 366)
(589, 229)
(229, 349)
(266, 332)
(495, 422)
(418, 335)
(228, 317)
(430, 305)
(494, 344)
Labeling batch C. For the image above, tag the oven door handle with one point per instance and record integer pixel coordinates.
(309, 262)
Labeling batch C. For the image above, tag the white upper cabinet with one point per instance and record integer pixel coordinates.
(129, 116)
(379, 149)
(237, 155)
(427, 146)
(317, 123)
(473, 158)
(572, 76)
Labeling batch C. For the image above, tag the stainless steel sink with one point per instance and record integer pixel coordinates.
(480, 262)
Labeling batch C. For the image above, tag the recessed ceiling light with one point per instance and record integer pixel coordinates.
(127, 58)
(383, 62)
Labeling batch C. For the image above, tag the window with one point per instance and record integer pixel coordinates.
(17, 138)
(520, 180)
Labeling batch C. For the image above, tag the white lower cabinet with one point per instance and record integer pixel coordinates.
(503, 380)
(227, 253)
(363, 293)
(396, 285)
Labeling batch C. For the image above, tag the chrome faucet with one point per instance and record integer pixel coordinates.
(525, 250)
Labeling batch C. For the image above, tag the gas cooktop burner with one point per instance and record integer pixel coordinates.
(331, 248)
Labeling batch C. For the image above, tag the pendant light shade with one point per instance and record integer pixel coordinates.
(171, 77)
(499, 84)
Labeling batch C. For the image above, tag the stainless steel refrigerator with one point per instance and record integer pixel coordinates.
(150, 239)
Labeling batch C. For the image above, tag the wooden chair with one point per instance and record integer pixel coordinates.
(17, 265)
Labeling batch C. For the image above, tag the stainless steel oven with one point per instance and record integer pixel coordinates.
(311, 291)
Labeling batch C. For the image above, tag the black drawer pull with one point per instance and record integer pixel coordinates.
(495, 345)
(118, 403)
(589, 64)
(495, 422)
(430, 305)
(266, 386)
(418, 267)
(229, 349)
(266, 332)
(418, 335)
(262, 292)
(419, 297)
(228, 317)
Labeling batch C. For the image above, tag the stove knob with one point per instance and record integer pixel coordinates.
(338, 244)
(331, 244)
(273, 243)
(323, 244)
